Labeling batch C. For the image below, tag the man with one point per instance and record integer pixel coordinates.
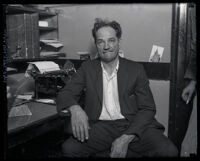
(189, 144)
(118, 116)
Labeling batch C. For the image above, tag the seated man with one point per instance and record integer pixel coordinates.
(119, 111)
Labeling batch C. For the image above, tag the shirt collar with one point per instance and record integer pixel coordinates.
(116, 68)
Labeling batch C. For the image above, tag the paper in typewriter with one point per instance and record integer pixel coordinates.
(44, 66)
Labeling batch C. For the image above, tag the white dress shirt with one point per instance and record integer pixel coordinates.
(111, 107)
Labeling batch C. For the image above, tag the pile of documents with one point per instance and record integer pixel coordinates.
(43, 24)
(52, 42)
(50, 48)
(51, 54)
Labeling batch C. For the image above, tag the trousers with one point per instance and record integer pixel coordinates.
(153, 143)
(189, 144)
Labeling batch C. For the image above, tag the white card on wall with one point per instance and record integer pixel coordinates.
(156, 53)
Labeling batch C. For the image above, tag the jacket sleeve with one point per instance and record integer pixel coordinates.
(146, 106)
(70, 94)
(191, 68)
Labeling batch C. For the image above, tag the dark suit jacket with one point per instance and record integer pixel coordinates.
(191, 68)
(135, 97)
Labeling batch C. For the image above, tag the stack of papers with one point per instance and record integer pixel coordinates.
(25, 96)
(51, 101)
(43, 24)
(51, 54)
(52, 42)
(83, 53)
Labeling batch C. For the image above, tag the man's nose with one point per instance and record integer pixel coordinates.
(106, 45)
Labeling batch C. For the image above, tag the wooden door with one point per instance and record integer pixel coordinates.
(179, 112)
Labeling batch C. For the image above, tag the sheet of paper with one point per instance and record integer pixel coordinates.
(160, 50)
(83, 53)
(49, 53)
(8, 69)
(21, 110)
(52, 42)
(43, 24)
(156, 53)
(56, 45)
(51, 101)
(25, 96)
(49, 40)
(45, 66)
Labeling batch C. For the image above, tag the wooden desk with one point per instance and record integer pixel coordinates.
(24, 128)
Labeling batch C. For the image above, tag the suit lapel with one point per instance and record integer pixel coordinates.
(122, 76)
(99, 80)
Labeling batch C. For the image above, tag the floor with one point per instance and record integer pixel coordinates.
(46, 146)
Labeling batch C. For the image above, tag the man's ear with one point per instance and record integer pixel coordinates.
(119, 43)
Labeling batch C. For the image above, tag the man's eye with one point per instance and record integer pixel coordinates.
(112, 40)
(99, 42)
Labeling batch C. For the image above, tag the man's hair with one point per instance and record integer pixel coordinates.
(99, 23)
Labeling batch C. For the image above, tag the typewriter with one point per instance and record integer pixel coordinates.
(48, 84)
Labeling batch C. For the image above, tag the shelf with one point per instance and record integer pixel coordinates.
(19, 9)
(43, 14)
(47, 28)
(21, 60)
(155, 70)
(15, 9)
(34, 15)
(44, 54)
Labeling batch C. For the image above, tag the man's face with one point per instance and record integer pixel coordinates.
(107, 44)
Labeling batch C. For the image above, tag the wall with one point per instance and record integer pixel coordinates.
(142, 24)
(160, 90)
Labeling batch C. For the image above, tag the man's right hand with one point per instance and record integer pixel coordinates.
(188, 91)
(79, 123)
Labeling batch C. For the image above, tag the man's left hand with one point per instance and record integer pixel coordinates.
(120, 146)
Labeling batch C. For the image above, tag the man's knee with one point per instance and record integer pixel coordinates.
(168, 150)
(72, 149)
(68, 150)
